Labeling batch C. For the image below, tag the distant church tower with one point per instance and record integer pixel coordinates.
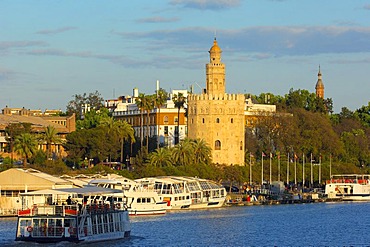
(217, 117)
(319, 86)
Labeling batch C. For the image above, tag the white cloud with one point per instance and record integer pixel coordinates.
(55, 31)
(157, 19)
(207, 4)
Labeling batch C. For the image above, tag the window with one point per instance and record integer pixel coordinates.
(165, 130)
(232, 120)
(165, 119)
(203, 120)
(176, 120)
(217, 120)
(217, 145)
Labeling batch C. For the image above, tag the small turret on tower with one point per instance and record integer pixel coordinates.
(319, 85)
(215, 71)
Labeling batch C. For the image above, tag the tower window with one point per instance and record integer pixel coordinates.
(217, 120)
(203, 120)
(217, 145)
(232, 120)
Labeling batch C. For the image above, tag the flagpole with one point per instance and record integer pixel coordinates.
(250, 168)
(270, 169)
(311, 172)
(279, 167)
(287, 171)
(303, 180)
(330, 166)
(262, 171)
(295, 169)
(320, 169)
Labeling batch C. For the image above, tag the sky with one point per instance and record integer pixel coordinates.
(51, 50)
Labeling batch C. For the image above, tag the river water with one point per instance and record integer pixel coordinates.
(313, 224)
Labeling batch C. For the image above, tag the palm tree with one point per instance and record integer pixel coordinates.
(161, 157)
(122, 128)
(50, 136)
(148, 106)
(179, 101)
(141, 102)
(183, 152)
(125, 132)
(202, 151)
(25, 145)
(161, 97)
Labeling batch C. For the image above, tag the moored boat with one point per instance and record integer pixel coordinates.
(75, 215)
(171, 190)
(204, 193)
(139, 201)
(350, 187)
(186, 192)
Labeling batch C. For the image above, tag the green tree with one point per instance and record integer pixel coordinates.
(126, 133)
(160, 157)
(202, 152)
(93, 118)
(364, 114)
(12, 131)
(160, 100)
(50, 136)
(141, 104)
(357, 147)
(183, 153)
(148, 106)
(179, 101)
(25, 145)
(93, 100)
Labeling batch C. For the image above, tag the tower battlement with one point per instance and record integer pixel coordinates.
(216, 97)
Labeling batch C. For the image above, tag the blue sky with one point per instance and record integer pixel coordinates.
(52, 50)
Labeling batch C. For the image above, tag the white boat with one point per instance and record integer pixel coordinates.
(352, 187)
(89, 214)
(204, 193)
(171, 190)
(186, 192)
(139, 201)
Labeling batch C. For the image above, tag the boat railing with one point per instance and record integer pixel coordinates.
(348, 181)
(45, 209)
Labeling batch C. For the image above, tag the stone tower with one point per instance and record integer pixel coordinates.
(217, 117)
(215, 71)
(319, 86)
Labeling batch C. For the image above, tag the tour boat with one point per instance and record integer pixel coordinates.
(353, 187)
(171, 190)
(204, 193)
(186, 192)
(89, 214)
(139, 201)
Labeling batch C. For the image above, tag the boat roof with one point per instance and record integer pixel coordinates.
(177, 179)
(351, 175)
(85, 191)
(112, 181)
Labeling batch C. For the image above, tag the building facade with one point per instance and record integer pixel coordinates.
(162, 122)
(218, 117)
(38, 121)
